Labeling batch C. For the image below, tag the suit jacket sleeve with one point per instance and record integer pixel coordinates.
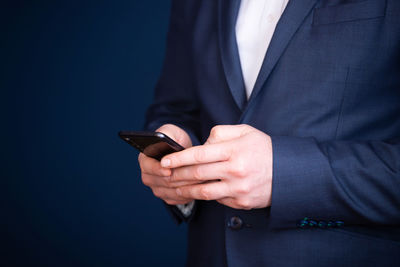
(174, 100)
(355, 182)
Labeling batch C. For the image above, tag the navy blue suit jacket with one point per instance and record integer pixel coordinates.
(328, 93)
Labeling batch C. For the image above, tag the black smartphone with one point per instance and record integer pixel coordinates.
(152, 144)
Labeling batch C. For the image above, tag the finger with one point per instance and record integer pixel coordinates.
(177, 202)
(206, 191)
(152, 166)
(168, 193)
(236, 203)
(229, 201)
(183, 183)
(158, 181)
(222, 133)
(201, 172)
(177, 134)
(197, 155)
(154, 181)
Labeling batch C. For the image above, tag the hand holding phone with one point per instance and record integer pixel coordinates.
(156, 145)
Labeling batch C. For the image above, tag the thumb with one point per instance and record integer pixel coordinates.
(177, 134)
(221, 133)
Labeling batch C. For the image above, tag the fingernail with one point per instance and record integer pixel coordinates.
(178, 192)
(165, 162)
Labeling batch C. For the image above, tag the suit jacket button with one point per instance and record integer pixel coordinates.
(312, 223)
(339, 223)
(235, 223)
(302, 224)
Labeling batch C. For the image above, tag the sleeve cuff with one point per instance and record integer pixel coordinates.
(178, 216)
(186, 209)
(301, 183)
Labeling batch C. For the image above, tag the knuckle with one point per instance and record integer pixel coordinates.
(156, 192)
(243, 189)
(199, 155)
(225, 153)
(145, 180)
(245, 128)
(197, 173)
(204, 193)
(140, 158)
(244, 203)
(238, 169)
(215, 132)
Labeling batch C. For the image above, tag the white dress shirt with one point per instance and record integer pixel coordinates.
(255, 26)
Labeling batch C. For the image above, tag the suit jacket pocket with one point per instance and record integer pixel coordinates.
(368, 9)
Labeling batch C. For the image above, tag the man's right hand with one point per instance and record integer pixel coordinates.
(157, 177)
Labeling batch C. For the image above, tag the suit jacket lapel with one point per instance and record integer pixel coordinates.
(227, 15)
(291, 19)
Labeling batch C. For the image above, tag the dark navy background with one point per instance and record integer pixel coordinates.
(72, 75)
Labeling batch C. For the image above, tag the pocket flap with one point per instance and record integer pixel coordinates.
(350, 12)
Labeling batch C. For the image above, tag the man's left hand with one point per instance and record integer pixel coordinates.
(235, 164)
